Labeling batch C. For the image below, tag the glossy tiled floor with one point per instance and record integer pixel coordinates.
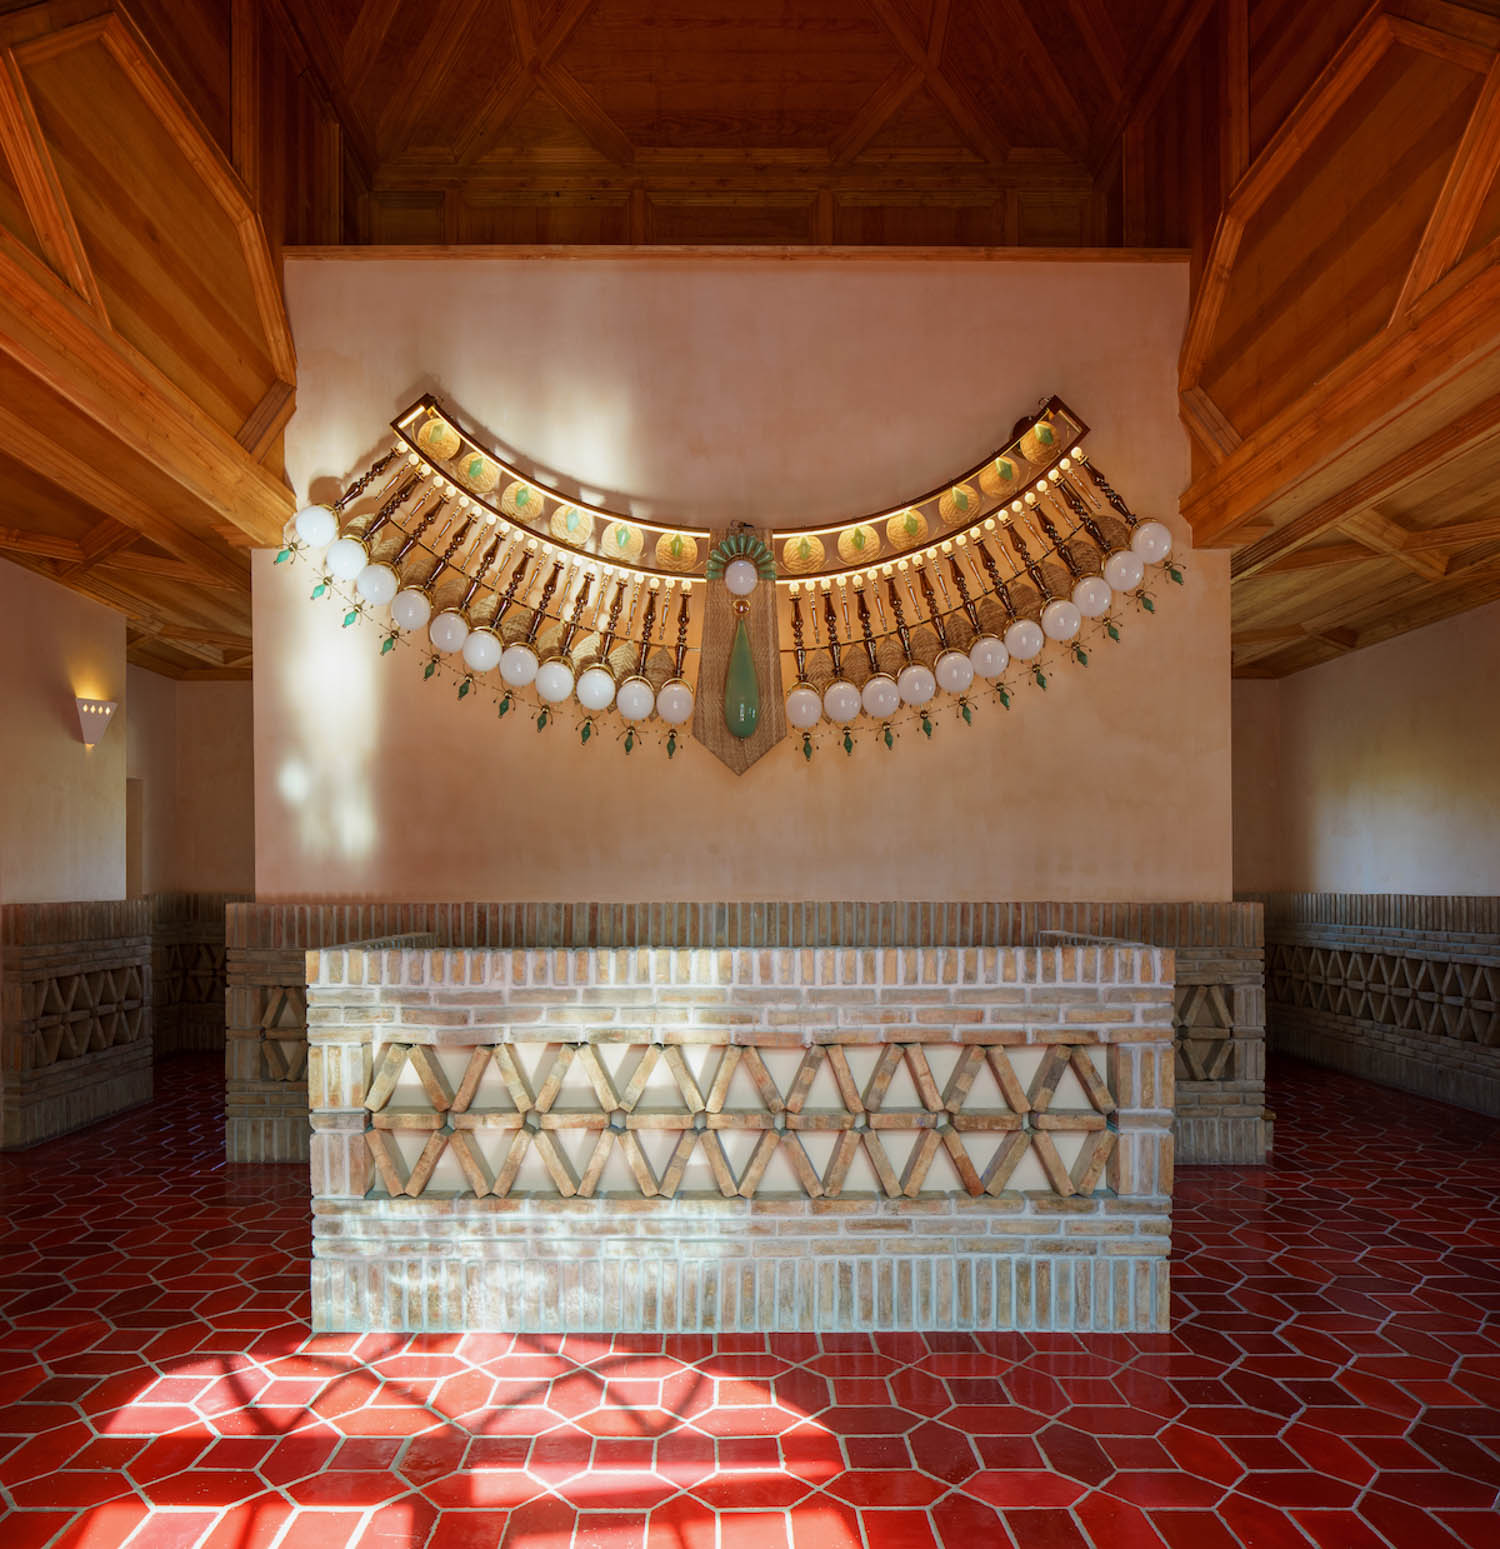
(1334, 1377)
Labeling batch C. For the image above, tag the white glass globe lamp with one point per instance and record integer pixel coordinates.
(410, 608)
(316, 526)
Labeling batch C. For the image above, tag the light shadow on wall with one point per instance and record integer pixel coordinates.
(323, 770)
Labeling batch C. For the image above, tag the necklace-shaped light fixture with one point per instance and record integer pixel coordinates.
(882, 621)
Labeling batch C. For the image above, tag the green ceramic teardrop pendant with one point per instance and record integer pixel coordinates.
(741, 691)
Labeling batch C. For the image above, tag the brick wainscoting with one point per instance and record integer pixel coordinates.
(187, 971)
(1400, 988)
(1219, 1015)
(741, 1139)
(75, 1015)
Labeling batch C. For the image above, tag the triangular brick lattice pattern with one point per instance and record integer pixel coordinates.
(907, 1134)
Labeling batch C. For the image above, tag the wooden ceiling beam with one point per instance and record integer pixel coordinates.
(225, 674)
(1176, 30)
(102, 378)
(965, 114)
(1208, 422)
(1475, 166)
(1474, 429)
(537, 66)
(601, 131)
(127, 565)
(104, 539)
(1456, 535)
(18, 438)
(39, 545)
(425, 73)
(220, 181)
(1359, 405)
(31, 165)
(1009, 23)
(1254, 645)
(888, 99)
(302, 29)
(218, 639)
(1234, 77)
(267, 419)
(1102, 39)
(1318, 558)
(747, 172)
(365, 36)
(1373, 528)
(1339, 78)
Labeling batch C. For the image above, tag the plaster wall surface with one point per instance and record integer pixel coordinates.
(1376, 773)
(62, 805)
(192, 747)
(783, 393)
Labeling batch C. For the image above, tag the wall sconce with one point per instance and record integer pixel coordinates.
(94, 716)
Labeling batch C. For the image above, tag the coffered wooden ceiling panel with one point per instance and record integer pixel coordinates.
(1323, 259)
(1330, 169)
(169, 261)
(800, 72)
(146, 366)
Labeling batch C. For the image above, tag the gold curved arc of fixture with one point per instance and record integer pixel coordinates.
(1061, 427)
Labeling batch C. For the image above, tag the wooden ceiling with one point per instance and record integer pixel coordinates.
(1330, 169)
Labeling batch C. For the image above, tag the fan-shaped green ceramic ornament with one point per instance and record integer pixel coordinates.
(741, 545)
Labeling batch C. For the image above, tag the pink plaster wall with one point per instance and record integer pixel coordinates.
(1388, 769)
(151, 758)
(62, 805)
(192, 747)
(215, 788)
(761, 388)
(1258, 847)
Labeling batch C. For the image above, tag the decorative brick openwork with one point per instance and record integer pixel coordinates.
(864, 1116)
(1401, 988)
(188, 971)
(75, 1015)
(1220, 1117)
(698, 1140)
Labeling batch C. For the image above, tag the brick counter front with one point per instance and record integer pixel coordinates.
(741, 1139)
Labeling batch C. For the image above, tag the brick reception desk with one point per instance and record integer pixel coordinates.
(961, 1138)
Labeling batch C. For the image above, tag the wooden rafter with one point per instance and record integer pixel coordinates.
(244, 92)
(362, 45)
(1373, 528)
(1326, 554)
(1456, 535)
(1475, 166)
(1253, 645)
(1355, 404)
(39, 545)
(100, 376)
(426, 72)
(267, 419)
(1102, 39)
(1329, 92)
(166, 101)
(971, 123)
(599, 129)
(22, 145)
(1175, 32)
(128, 564)
(1208, 423)
(18, 438)
(302, 29)
(884, 103)
(513, 89)
(1009, 22)
(1234, 76)
(104, 539)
